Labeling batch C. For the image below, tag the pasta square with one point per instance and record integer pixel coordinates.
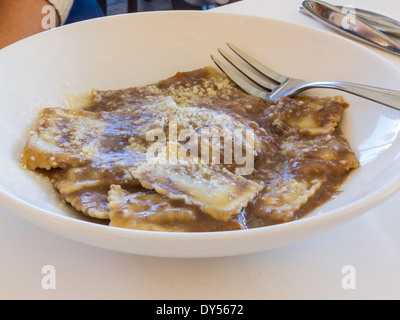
(215, 190)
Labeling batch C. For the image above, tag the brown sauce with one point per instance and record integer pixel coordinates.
(301, 161)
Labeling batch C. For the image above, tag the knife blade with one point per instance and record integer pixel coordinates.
(350, 25)
(376, 20)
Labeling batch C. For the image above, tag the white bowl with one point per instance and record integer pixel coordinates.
(137, 49)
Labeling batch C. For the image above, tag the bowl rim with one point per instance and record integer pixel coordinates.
(34, 213)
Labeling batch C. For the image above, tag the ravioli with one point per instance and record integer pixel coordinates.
(281, 199)
(155, 212)
(217, 191)
(146, 211)
(308, 115)
(86, 188)
(84, 153)
(193, 153)
(62, 138)
(332, 149)
(204, 87)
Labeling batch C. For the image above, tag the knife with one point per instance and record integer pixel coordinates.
(376, 20)
(350, 25)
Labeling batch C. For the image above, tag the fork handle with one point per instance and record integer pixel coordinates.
(386, 97)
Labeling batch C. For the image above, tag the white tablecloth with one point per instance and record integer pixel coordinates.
(368, 248)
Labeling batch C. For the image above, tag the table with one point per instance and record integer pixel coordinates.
(318, 268)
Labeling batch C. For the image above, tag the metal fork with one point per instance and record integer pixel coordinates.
(255, 78)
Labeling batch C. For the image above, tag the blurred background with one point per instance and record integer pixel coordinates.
(112, 7)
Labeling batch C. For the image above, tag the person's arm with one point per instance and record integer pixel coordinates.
(20, 19)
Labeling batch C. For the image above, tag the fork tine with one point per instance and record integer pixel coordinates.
(249, 71)
(279, 78)
(240, 79)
